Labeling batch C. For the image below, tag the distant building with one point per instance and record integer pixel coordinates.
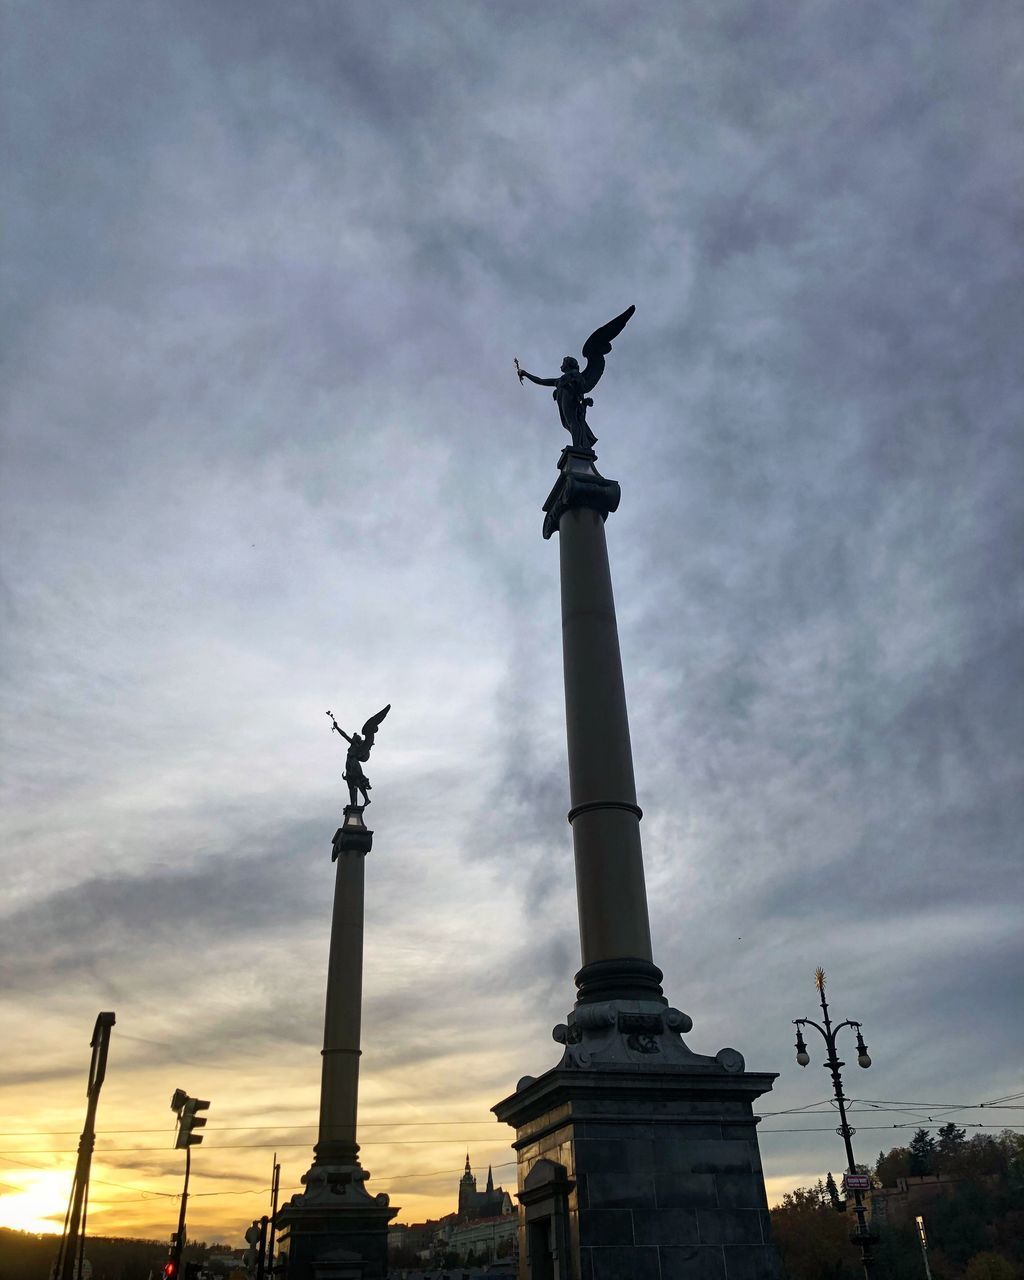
(909, 1197)
(493, 1202)
(414, 1238)
(485, 1239)
(225, 1266)
(486, 1223)
(483, 1227)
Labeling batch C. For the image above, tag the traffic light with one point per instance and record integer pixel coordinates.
(256, 1239)
(188, 1121)
(170, 1270)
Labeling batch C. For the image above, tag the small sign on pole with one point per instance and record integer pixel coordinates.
(856, 1182)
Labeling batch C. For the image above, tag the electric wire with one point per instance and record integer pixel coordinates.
(147, 1193)
(997, 1104)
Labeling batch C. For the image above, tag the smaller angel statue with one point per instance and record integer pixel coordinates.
(570, 390)
(357, 755)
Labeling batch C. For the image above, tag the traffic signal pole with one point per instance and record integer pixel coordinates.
(256, 1256)
(179, 1238)
(72, 1245)
(185, 1108)
(261, 1261)
(275, 1184)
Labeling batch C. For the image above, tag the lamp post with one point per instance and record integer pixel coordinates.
(862, 1236)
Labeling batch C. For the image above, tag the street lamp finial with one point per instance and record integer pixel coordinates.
(819, 978)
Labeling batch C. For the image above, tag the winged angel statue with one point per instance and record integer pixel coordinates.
(570, 390)
(358, 754)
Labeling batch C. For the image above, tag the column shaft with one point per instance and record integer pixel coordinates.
(606, 833)
(339, 1087)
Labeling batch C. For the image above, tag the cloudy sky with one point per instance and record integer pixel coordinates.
(266, 269)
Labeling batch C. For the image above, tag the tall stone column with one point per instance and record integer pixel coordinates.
(339, 1079)
(615, 936)
(334, 1229)
(637, 1157)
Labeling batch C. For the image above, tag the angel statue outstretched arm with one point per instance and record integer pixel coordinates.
(357, 755)
(570, 390)
(541, 382)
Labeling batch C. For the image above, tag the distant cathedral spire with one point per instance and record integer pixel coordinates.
(494, 1202)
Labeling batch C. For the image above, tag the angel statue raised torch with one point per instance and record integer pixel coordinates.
(358, 753)
(570, 390)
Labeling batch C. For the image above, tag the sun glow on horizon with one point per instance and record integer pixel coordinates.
(34, 1200)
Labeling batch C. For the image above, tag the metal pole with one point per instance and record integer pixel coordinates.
(261, 1256)
(862, 1237)
(81, 1235)
(179, 1239)
(924, 1245)
(275, 1184)
(72, 1245)
(834, 1066)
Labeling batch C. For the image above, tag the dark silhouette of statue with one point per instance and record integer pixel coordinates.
(570, 390)
(358, 754)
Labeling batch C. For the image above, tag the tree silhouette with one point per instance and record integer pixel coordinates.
(950, 1147)
(922, 1154)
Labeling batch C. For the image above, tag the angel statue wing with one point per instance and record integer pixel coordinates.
(598, 345)
(372, 725)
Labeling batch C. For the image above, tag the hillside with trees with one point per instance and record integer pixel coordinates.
(25, 1256)
(969, 1190)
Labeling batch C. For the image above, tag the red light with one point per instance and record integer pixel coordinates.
(170, 1270)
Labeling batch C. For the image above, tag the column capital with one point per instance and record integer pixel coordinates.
(579, 485)
(353, 836)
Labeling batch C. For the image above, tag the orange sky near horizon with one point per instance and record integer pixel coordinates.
(414, 1149)
(137, 1174)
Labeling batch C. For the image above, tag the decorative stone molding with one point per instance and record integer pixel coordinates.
(621, 1034)
(353, 836)
(579, 485)
(623, 979)
(340, 1186)
(591, 805)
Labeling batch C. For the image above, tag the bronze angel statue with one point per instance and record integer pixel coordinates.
(358, 753)
(570, 390)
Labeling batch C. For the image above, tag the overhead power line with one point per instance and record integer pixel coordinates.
(448, 1142)
(422, 1175)
(874, 1104)
(913, 1124)
(871, 1105)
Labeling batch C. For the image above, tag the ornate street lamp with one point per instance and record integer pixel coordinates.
(862, 1236)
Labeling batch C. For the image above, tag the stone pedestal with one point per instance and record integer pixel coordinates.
(334, 1229)
(638, 1160)
(637, 1157)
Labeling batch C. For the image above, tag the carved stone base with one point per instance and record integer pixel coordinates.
(353, 836)
(334, 1230)
(579, 485)
(623, 1034)
(638, 1158)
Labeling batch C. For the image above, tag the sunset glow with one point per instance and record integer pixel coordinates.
(34, 1201)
